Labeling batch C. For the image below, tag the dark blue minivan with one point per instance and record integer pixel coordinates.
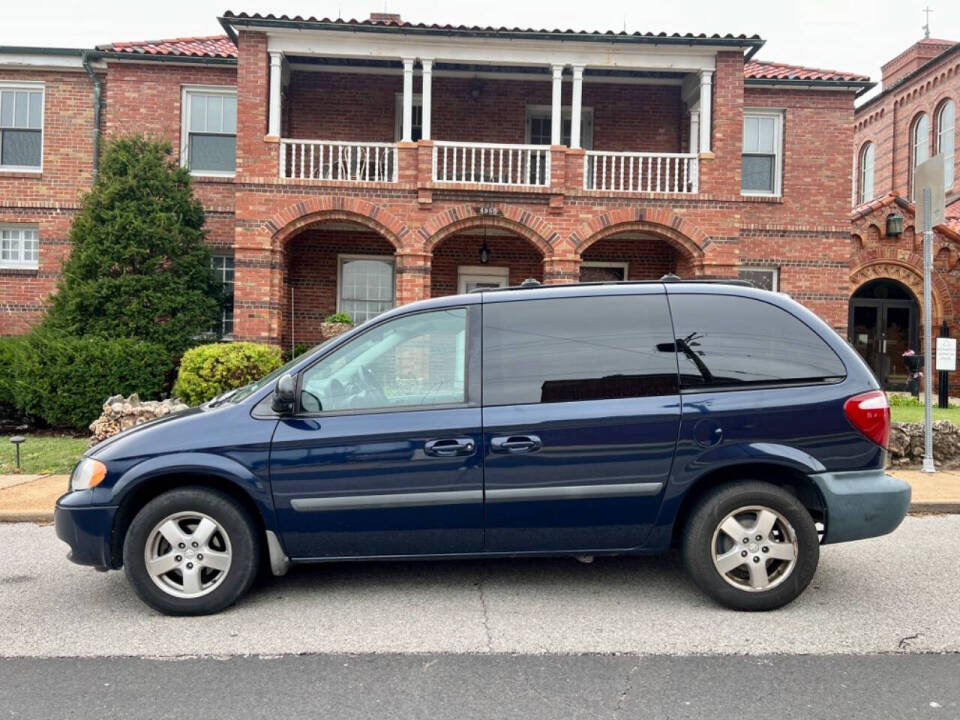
(591, 419)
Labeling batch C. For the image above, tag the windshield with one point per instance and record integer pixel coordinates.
(247, 390)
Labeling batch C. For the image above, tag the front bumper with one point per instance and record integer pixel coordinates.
(861, 504)
(87, 529)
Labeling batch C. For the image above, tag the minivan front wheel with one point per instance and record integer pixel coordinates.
(191, 551)
(751, 546)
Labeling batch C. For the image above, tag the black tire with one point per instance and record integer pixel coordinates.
(234, 521)
(698, 545)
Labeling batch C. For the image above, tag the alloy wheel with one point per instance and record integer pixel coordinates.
(188, 554)
(754, 548)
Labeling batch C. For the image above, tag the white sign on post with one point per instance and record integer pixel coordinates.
(946, 354)
(930, 176)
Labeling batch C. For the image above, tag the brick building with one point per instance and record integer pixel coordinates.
(356, 165)
(910, 120)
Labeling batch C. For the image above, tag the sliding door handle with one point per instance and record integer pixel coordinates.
(449, 447)
(516, 444)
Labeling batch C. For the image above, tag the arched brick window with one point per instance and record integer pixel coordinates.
(920, 146)
(866, 172)
(946, 139)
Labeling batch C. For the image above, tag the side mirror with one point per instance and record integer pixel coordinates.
(285, 394)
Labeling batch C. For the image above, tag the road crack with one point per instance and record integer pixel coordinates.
(486, 613)
(904, 643)
(627, 688)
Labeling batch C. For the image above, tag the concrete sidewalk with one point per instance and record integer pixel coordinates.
(31, 498)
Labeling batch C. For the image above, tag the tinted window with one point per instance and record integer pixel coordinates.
(724, 340)
(567, 349)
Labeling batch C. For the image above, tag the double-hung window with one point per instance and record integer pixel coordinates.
(867, 155)
(762, 152)
(946, 140)
(21, 126)
(416, 117)
(365, 286)
(209, 135)
(19, 247)
(920, 140)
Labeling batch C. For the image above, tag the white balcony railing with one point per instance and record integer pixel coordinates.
(490, 163)
(641, 172)
(336, 160)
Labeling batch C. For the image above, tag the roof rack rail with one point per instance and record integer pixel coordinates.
(531, 284)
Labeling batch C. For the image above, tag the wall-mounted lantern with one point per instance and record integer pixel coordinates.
(894, 225)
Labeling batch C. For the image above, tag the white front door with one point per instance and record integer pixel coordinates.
(474, 277)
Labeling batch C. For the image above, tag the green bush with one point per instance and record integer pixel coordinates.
(63, 380)
(340, 317)
(8, 349)
(208, 370)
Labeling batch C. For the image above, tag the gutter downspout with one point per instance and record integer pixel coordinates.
(97, 95)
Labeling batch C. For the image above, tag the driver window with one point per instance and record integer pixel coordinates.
(415, 360)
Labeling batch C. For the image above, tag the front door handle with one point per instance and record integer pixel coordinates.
(516, 444)
(450, 447)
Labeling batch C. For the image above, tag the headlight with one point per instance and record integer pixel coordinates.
(87, 474)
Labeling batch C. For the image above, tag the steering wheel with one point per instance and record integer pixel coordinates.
(365, 381)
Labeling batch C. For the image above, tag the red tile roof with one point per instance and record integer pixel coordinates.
(214, 46)
(391, 20)
(950, 227)
(763, 70)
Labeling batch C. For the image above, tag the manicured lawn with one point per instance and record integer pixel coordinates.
(915, 414)
(42, 453)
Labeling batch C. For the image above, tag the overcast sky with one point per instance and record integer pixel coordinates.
(851, 35)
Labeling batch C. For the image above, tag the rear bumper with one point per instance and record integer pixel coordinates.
(861, 504)
(86, 529)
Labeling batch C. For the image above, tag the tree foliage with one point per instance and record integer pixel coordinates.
(140, 267)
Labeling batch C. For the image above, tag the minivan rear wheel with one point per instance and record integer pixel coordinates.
(191, 551)
(751, 546)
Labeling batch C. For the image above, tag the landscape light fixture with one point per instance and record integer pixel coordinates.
(16, 440)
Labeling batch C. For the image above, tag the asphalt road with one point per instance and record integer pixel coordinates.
(484, 686)
(896, 594)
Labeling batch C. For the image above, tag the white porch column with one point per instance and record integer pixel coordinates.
(407, 100)
(576, 106)
(694, 130)
(276, 87)
(426, 96)
(557, 106)
(706, 83)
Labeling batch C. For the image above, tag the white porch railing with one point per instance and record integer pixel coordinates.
(337, 160)
(490, 163)
(641, 172)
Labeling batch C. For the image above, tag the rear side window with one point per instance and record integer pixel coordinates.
(574, 349)
(726, 340)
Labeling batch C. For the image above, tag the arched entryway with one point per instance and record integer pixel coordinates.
(483, 257)
(633, 255)
(335, 266)
(884, 323)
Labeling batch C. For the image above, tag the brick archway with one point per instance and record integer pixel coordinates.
(672, 229)
(533, 228)
(301, 214)
(909, 273)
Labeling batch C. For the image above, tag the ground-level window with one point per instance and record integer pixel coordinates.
(481, 277)
(365, 285)
(223, 266)
(19, 247)
(209, 131)
(765, 278)
(762, 152)
(603, 271)
(21, 126)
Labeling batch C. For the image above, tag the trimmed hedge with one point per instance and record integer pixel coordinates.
(8, 349)
(209, 370)
(63, 380)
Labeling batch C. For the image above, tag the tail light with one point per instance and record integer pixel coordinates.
(870, 414)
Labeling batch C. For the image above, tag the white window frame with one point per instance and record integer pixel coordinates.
(185, 92)
(545, 112)
(778, 114)
(32, 86)
(233, 284)
(862, 167)
(915, 143)
(624, 265)
(348, 256)
(774, 271)
(398, 114)
(20, 263)
(951, 132)
(482, 273)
